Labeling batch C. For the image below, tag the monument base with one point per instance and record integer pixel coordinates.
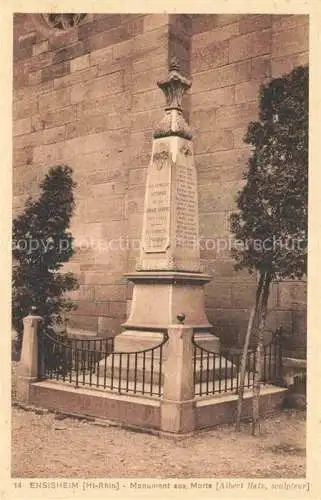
(158, 297)
(139, 340)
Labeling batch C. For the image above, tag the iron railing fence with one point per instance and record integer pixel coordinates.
(93, 363)
(216, 373)
(300, 376)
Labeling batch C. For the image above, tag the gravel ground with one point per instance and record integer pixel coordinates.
(46, 446)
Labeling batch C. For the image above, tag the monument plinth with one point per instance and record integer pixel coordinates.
(168, 278)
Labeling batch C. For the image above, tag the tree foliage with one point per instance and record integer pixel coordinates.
(41, 245)
(270, 226)
(273, 205)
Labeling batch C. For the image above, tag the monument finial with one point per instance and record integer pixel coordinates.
(174, 88)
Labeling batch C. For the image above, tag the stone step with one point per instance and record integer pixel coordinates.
(221, 408)
(135, 365)
(114, 384)
(145, 411)
(219, 386)
(151, 385)
(123, 386)
(213, 370)
(137, 368)
(208, 372)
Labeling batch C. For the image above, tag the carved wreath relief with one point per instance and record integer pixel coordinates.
(160, 158)
(185, 150)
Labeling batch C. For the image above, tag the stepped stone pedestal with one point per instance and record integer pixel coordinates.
(168, 280)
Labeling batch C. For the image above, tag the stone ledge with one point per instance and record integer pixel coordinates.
(143, 413)
(222, 410)
(168, 276)
(225, 397)
(294, 363)
(93, 391)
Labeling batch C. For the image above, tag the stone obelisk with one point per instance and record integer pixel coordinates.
(168, 280)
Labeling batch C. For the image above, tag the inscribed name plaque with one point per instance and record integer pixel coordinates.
(186, 223)
(156, 232)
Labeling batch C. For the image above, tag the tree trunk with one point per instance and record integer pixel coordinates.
(245, 352)
(258, 355)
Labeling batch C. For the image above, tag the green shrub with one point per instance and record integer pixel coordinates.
(41, 245)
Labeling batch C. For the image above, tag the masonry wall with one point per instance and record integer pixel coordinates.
(232, 55)
(88, 98)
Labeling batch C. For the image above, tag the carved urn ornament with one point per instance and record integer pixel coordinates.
(62, 21)
(174, 88)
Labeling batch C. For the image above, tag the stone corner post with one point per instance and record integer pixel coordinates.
(28, 367)
(178, 403)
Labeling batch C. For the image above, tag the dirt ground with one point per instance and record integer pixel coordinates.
(45, 446)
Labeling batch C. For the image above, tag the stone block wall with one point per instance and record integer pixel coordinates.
(232, 55)
(87, 97)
